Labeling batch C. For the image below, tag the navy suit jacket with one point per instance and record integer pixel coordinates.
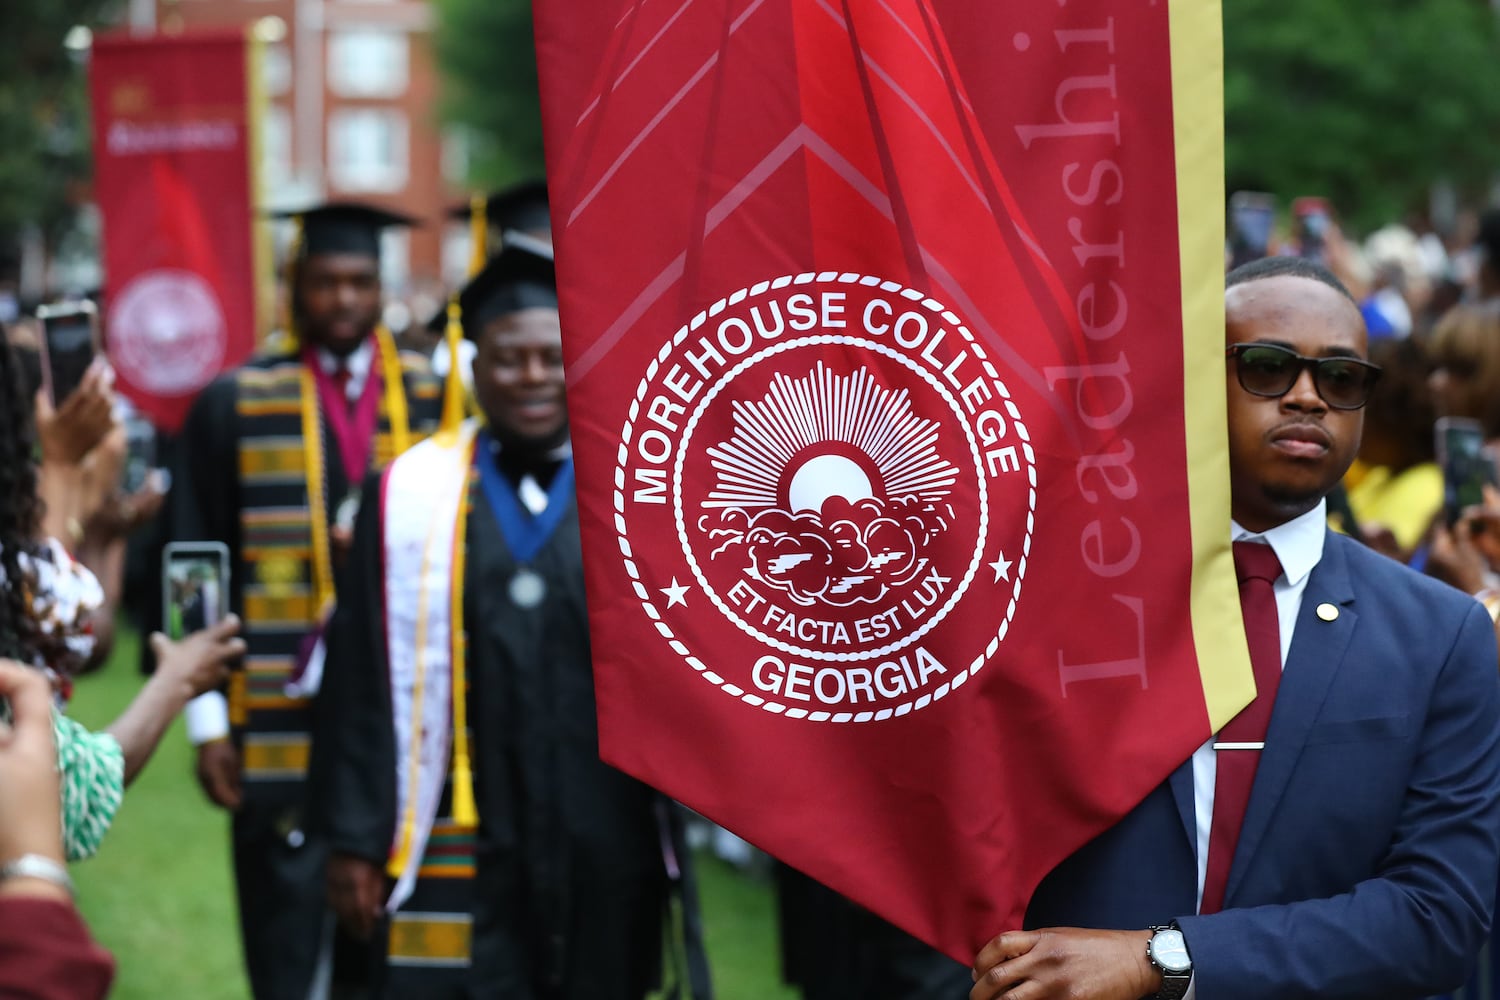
(1368, 861)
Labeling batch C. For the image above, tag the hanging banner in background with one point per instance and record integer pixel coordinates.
(878, 318)
(174, 178)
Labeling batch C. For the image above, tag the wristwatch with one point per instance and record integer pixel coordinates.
(1167, 951)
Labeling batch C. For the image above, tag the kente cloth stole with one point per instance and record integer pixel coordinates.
(424, 513)
(285, 558)
(429, 945)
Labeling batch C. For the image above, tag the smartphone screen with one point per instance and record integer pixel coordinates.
(195, 586)
(1467, 465)
(140, 454)
(70, 342)
(1252, 215)
(1313, 217)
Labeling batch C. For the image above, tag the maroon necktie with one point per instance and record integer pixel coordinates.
(341, 377)
(1241, 739)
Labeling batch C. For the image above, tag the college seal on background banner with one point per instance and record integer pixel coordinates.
(844, 473)
(168, 332)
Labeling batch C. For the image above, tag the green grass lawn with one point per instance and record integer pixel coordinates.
(159, 893)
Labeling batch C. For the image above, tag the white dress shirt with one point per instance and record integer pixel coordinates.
(358, 364)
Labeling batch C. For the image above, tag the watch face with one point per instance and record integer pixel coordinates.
(1169, 951)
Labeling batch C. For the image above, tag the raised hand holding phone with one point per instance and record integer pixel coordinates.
(67, 433)
(1468, 466)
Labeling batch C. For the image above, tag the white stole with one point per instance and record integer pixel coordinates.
(423, 494)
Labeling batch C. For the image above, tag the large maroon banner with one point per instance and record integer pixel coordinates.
(877, 317)
(173, 176)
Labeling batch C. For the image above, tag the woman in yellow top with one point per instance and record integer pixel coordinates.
(1395, 488)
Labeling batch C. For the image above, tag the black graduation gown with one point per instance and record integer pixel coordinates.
(278, 872)
(278, 875)
(570, 882)
(834, 949)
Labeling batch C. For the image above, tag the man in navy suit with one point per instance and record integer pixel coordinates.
(1365, 854)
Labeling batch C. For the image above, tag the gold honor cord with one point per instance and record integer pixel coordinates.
(315, 468)
(465, 813)
(397, 413)
(317, 499)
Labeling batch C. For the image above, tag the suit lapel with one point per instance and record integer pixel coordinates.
(1181, 783)
(1316, 652)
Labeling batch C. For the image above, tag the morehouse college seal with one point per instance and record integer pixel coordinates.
(167, 333)
(825, 498)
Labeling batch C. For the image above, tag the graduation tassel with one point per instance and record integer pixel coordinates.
(293, 251)
(465, 813)
(479, 234)
(455, 403)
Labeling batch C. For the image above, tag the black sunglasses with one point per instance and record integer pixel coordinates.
(1269, 370)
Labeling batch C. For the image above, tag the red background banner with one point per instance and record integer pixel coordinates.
(173, 179)
(872, 314)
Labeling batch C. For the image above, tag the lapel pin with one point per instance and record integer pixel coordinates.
(1327, 612)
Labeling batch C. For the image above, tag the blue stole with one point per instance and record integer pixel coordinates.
(525, 533)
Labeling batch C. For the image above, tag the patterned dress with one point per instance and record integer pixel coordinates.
(62, 594)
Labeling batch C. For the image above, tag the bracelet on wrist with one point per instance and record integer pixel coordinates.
(40, 867)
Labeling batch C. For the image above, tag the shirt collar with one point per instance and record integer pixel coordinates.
(1298, 543)
(357, 362)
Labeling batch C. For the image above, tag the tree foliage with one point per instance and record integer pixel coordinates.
(488, 58)
(1367, 102)
(43, 112)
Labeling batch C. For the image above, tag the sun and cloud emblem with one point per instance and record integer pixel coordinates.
(829, 488)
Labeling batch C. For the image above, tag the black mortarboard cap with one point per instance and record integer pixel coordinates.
(521, 276)
(521, 207)
(339, 227)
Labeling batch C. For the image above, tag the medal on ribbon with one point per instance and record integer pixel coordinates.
(525, 533)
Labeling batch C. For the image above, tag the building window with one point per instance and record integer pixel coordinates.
(457, 254)
(367, 149)
(368, 62)
(395, 262)
(456, 154)
(276, 148)
(276, 69)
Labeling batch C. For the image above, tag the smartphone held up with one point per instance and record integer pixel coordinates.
(1311, 220)
(1468, 466)
(1252, 218)
(195, 586)
(69, 345)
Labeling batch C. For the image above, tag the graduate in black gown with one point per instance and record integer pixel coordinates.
(834, 949)
(560, 888)
(269, 463)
